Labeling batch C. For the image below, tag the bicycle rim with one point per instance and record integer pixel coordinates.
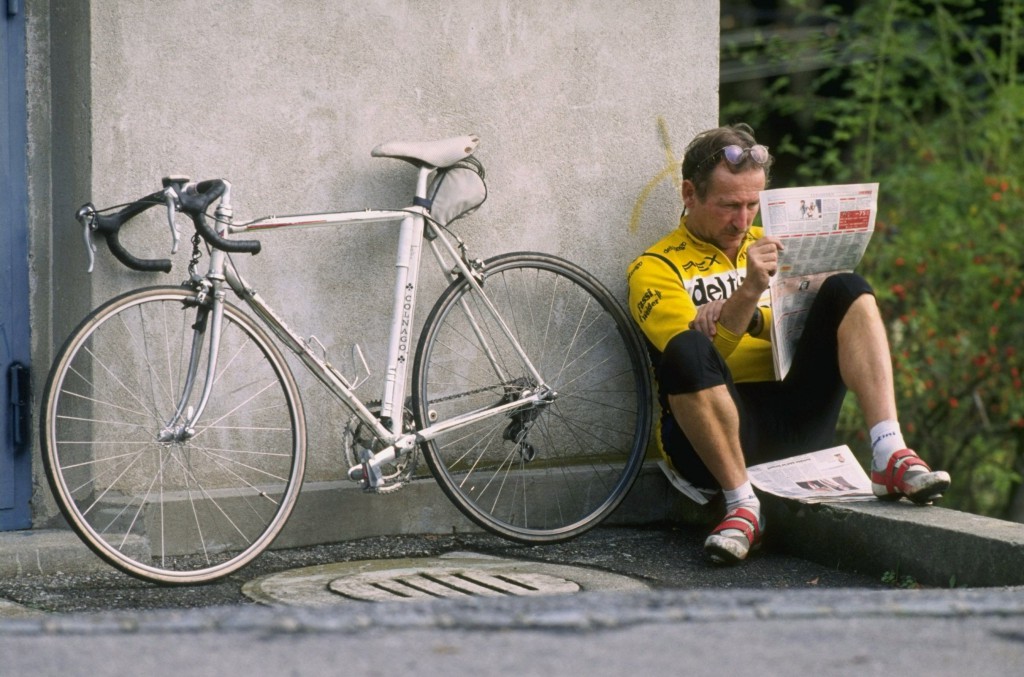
(184, 510)
(552, 472)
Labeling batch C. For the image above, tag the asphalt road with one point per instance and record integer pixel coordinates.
(664, 557)
(773, 615)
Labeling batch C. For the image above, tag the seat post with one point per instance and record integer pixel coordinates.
(422, 180)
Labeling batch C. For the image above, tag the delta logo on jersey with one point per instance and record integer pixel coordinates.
(714, 287)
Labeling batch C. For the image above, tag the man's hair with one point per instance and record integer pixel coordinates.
(705, 153)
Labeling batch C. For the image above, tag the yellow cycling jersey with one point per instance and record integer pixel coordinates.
(679, 273)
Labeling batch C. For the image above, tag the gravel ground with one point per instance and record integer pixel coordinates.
(665, 557)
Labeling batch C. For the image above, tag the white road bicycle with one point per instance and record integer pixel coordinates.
(173, 431)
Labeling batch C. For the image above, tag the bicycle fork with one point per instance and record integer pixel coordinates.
(205, 332)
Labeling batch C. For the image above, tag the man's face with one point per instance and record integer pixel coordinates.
(728, 210)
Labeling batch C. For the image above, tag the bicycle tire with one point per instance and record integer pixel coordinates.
(179, 511)
(551, 473)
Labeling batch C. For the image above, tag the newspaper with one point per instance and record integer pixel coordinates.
(829, 475)
(824, 230)
(682, 485)
(826, 476)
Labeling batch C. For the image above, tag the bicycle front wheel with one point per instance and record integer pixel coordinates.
(550, 472)
(156, 500)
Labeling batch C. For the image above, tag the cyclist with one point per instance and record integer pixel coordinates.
(698, 295)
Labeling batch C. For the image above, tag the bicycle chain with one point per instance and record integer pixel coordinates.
(404, 469)
(467, 393)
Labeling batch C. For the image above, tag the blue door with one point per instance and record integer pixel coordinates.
(15, 402)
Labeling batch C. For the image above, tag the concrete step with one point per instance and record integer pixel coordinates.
(935, 546)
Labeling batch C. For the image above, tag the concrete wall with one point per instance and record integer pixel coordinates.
(580, 105)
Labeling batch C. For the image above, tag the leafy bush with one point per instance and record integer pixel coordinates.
(927, 98)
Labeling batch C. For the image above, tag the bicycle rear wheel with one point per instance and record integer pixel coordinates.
(551, 472)
(177, 508)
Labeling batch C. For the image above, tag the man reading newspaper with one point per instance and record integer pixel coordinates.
(699, 296)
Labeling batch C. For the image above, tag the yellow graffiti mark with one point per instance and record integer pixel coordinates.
(671, 171)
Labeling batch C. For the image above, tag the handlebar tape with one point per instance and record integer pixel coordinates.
(108, 226)
(126, 257)
(195, 205)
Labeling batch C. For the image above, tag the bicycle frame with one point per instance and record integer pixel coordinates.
(412, 233)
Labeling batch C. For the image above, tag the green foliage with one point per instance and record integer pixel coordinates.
(927, 98)
(894, 579)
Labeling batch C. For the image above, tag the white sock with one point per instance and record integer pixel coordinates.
(886, 439)
(742, 495)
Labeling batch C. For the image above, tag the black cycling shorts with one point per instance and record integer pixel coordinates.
(778, 419)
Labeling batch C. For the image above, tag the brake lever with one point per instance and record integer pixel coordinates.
(87, 216)
(172, 206)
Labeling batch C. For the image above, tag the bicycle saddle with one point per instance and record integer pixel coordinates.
(442, 153)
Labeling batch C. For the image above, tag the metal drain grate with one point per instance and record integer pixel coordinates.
(455, 575)
(391, 586)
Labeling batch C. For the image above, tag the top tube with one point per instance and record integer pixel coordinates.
(322, 219)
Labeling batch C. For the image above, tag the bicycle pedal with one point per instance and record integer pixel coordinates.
(357, 474)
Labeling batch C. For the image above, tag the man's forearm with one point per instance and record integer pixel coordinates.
(739, 310)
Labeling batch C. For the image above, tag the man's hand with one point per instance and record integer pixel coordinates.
(762, 262)
(707, 317)
(736, 311)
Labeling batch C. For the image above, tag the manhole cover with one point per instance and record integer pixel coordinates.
(419, 584)
(455, 575)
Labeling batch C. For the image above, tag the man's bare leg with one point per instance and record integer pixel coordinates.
(866, 368)
(711, 422)
(864, 360)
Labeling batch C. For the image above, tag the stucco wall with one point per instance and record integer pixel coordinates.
(580, 105)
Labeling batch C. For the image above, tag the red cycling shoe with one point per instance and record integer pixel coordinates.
(907, 475)
(734, 547)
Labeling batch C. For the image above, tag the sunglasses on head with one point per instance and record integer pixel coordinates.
(734, 154)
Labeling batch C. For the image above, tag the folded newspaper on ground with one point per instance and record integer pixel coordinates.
(824, 230)
(694, 493)
(826, 476)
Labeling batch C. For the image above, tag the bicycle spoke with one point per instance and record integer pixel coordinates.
(154, 498)
(554, 468)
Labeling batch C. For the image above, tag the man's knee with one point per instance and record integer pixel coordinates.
(690, 363)
(844, 288)
(834, 298)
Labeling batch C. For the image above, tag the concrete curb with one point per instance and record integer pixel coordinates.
(935, 546)
(332, 512)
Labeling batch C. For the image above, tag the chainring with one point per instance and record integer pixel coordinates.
(357, 436)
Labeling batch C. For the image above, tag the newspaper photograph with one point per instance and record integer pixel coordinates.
(824, 230)
(829, 475)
